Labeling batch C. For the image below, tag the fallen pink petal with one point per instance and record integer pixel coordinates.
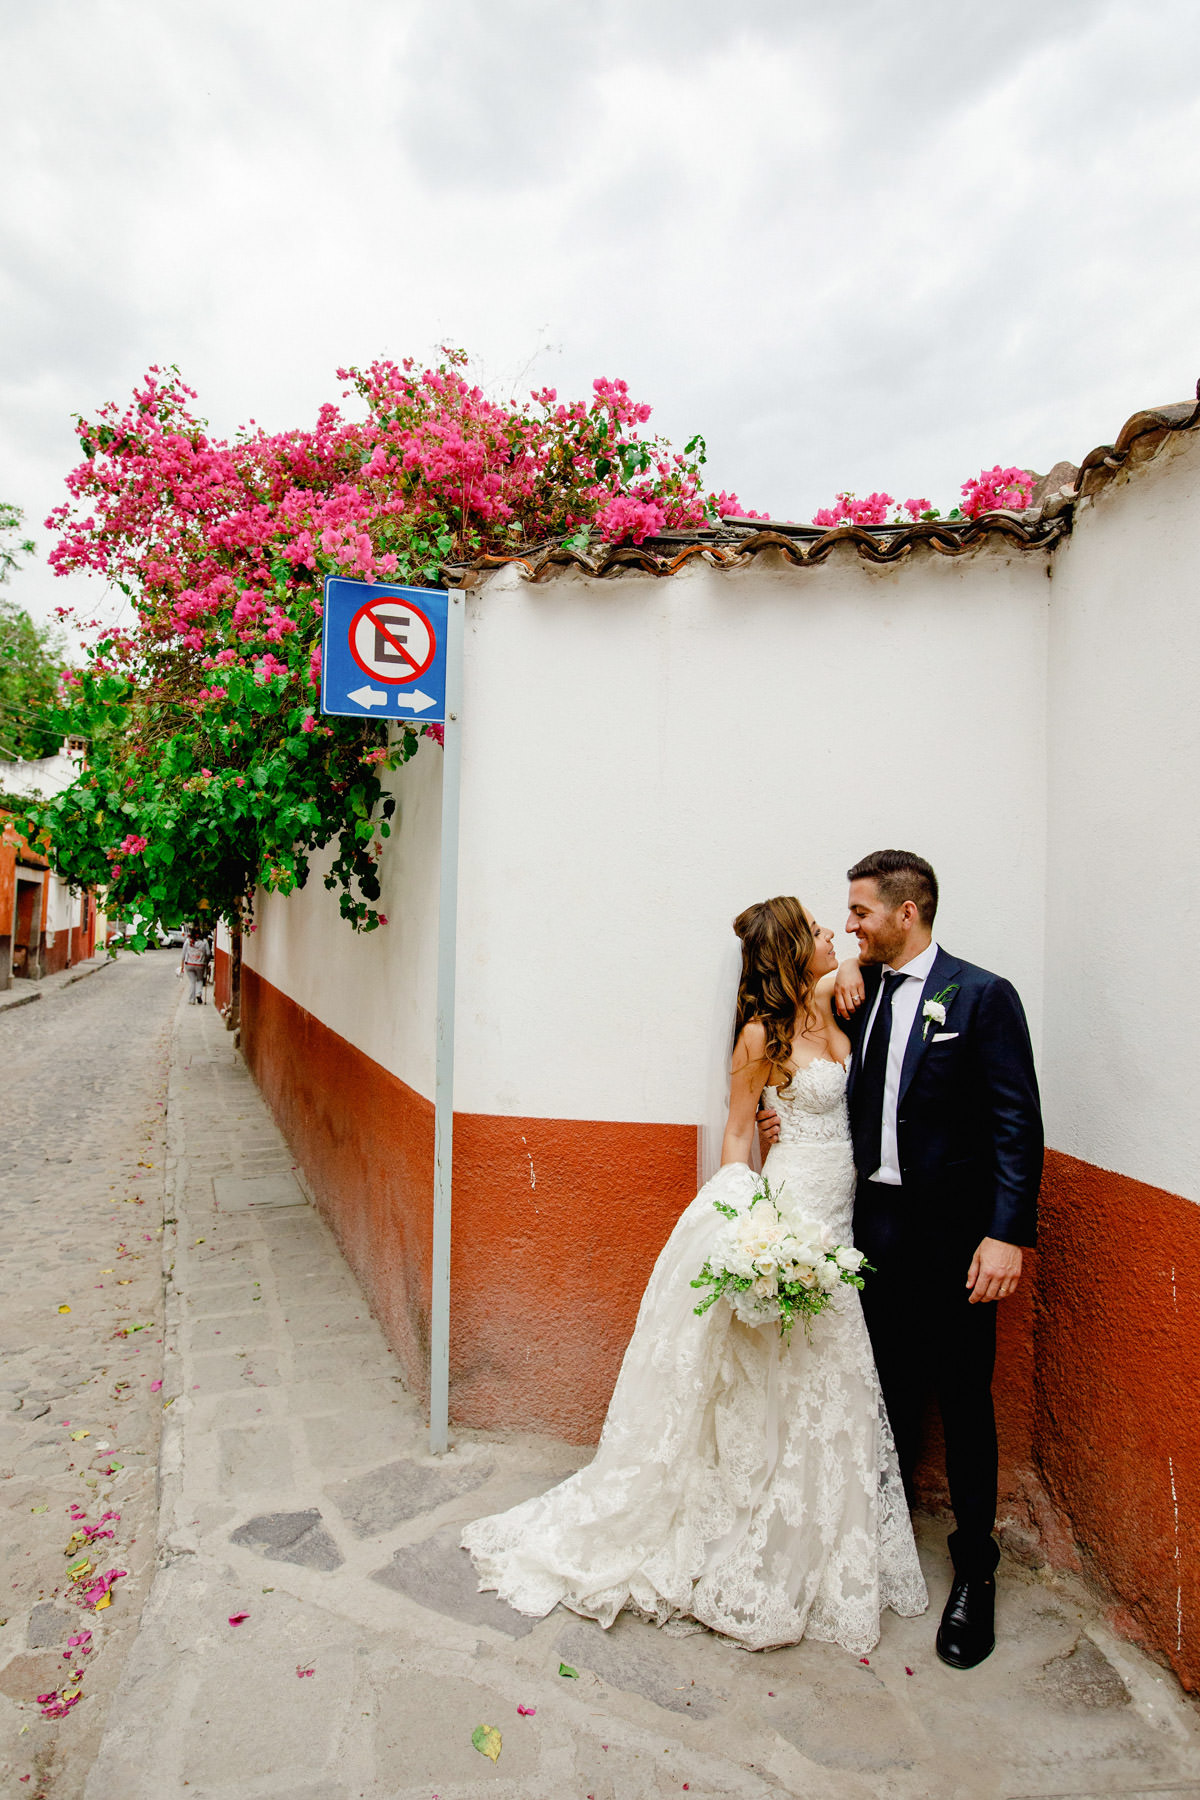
(527, 1712)
(238, 1618)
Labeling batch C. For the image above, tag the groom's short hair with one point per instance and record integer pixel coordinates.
(899, 875)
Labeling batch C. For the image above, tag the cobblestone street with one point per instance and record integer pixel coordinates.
(84, 1085)
(296, 1621)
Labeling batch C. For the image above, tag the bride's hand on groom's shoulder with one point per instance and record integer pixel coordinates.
(849, 991)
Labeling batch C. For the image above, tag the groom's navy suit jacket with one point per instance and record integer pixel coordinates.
(968, 1120)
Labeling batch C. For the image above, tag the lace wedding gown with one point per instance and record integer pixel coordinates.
(740, 1481)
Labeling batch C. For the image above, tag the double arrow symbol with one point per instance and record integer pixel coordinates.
(368, 696)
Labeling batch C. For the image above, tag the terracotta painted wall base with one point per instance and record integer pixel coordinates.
(1097, 1392)
(550, 1255)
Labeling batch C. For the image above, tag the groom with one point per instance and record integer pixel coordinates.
(947, 1134)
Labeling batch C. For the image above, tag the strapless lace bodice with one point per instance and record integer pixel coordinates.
(812, 1165)
(812, 1107)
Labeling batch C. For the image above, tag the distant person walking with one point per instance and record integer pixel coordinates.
(193, 962)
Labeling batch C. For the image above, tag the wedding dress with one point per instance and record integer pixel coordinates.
(742, 1482)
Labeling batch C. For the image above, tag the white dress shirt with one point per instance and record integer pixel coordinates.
(905, 1002)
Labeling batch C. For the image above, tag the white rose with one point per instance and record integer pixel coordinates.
(849, 1258)
(828, 1277)
(936, 1011)
(764, 1287)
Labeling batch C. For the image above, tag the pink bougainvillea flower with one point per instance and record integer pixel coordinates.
(238, 1618)
(997, 490)
(527, 1712)
(308, 723)
(99, 1595)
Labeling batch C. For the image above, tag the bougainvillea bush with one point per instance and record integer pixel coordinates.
(992, 490)
(210, 770)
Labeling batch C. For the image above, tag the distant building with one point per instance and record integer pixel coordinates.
(45, 924)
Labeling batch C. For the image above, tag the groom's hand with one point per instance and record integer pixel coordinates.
(995, 1271)
(768, 1129)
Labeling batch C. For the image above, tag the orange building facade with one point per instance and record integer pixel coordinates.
(44, 925)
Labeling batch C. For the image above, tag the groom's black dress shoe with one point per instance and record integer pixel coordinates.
(967, 1632)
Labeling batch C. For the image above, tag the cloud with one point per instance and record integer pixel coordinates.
(855, 245)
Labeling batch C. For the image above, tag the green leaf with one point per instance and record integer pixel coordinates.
(487, 1741)
(566, 1669)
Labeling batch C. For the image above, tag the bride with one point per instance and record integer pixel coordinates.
(741, 1481)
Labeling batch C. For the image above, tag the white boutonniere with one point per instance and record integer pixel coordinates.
(934, 1010)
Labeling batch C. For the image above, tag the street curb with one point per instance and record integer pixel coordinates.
(82, 974)
(54, 984)
(21, 1000)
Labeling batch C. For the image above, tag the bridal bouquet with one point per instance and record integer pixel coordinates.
(770, 1266)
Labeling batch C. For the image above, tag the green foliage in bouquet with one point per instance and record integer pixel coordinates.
(769, 1267)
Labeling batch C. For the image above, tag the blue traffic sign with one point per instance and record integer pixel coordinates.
(383, 651)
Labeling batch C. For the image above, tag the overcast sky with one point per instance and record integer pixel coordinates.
(856, 245)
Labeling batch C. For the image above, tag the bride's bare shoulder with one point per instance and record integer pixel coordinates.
(823, 992)
(751, 1044)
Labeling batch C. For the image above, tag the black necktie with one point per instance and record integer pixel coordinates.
(872, 1079)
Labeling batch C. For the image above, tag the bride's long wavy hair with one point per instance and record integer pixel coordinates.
(777, 981)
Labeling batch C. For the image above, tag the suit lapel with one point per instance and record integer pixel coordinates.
(942, 973)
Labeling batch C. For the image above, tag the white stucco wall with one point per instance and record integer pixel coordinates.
(1123, 983)
(376, 989)
(642, 759)
(62, 908)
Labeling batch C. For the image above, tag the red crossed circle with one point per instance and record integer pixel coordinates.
(381, 602)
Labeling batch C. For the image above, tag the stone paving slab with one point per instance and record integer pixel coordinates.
(299, 1497)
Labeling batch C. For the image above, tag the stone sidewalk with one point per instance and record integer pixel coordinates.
(313, 1632)
(23, 991)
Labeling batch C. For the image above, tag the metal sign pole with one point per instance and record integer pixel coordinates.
(443, 1099)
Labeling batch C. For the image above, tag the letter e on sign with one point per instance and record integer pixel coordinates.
(392, 640)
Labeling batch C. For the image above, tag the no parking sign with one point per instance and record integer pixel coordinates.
(383, 650)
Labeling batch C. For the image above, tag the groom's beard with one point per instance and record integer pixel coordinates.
(881, 949)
